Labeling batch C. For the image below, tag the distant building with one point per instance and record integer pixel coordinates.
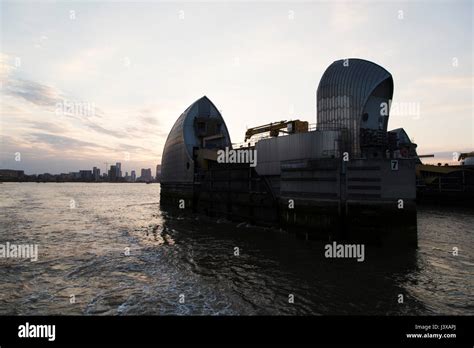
(65, 177)
(133, 176)
(11, 175)
(118, 170)
(146, 175)
(85, 175)
(75, 175)
(96, 173)
(46, 177)
(113, 173)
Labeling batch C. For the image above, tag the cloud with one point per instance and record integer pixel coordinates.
(345, 16)
(128, 148)
(47, 126)
(46, 96)
(5, 67)
(61, 141)
(148, 116)
(442, 108)
(99, 129)
(64, 142)
(461, 82)
(39, 42)
(30, 91)
(33, 92)
(149, 120)
(51, 126)
(87, 63)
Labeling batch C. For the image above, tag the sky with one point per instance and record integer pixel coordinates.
(89, 83)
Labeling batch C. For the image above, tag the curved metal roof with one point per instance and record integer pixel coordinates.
(177, 164)
(349, 96)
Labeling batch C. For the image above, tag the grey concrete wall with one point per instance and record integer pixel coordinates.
(316, 144)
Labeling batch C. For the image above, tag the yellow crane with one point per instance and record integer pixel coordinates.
(274, 128)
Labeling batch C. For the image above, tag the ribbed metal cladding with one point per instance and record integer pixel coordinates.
(177, 164)
(343, 93)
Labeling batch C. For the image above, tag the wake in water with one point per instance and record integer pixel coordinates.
(122, 256)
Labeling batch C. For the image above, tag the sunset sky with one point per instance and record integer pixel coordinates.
(87, 83)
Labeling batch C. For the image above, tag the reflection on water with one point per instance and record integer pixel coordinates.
(117, 253)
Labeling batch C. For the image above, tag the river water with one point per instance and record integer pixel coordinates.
(108, 249)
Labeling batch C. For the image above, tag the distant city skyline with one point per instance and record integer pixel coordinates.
(76, 168)
(87, 83)
(112, 173)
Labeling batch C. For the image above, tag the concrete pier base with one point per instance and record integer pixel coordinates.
(359, 204)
